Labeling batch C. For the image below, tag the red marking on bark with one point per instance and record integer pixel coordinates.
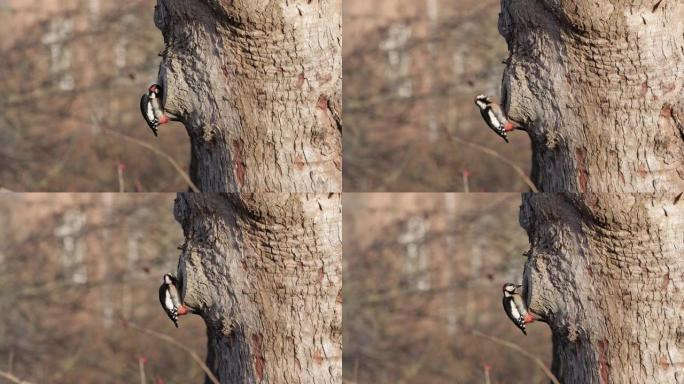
(238, 163)
(318, 357)
(580, 154)
(644, 88)
(642, 171)
(300, 80)
(321, 274)
(299, 161)
(568, 78)
(666, 111)
(258, 354)
(604, 365)
(664, 362)
(323, 102)
(322, 79)
(224, 68)
(666, 281)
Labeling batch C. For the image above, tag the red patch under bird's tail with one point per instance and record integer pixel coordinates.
(529, 318)
(510, 126)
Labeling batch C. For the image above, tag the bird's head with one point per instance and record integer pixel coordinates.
(509, 288)
(169, 279)
(154, 88)
(482, 101)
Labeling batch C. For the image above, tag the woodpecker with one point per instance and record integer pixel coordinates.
(515, 307)
(494, 116)
(151, 108)
(169, 297)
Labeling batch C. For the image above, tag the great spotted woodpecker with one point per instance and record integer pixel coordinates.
(152, 110)
(494, 116)
(515, 307)
(170, 300)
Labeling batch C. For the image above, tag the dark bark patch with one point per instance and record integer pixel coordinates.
(258, 354)
(321, 274)
(238, 162)
(603, 361)
(580, 156)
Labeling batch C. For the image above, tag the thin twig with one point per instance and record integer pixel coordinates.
(522, 351)
(12, 378)
(173, 341)
(495, 154)
(141, 365)
(159, 153)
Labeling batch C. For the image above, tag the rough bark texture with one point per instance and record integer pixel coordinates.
(258, 85)
(265, 273)
(598, 84)
(606, 271)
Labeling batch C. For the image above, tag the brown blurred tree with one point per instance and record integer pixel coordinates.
(599, 85)
(265, 273)
(258, 86)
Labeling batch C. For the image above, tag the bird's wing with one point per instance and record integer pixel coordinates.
(498, 113)
(513, 314)
(162, 295)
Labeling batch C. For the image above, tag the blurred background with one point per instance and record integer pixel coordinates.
(71, 76)
(412, 70)
(79, 279)
(422, 296)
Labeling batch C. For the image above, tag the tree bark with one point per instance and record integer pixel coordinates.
(265, 273)
(258, 85)
(598, 86)
(606, 271)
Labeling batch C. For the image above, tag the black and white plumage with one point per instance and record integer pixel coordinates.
(494, 116)
(151, 108)
(515, 307)
(169, 297)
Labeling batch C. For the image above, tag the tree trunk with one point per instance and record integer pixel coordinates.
(258, 85)
(606, 271)
(265, 273)
(598, 85)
